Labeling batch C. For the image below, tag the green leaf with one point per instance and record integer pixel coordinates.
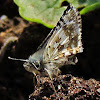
(82, 3)
(89, 5)
(46, 12)
(90, 8)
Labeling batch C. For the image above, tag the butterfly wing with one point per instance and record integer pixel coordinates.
(54, 30)
(65, 38)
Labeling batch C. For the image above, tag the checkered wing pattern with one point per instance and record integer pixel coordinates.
(65, 41)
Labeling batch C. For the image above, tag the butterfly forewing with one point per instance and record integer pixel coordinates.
(65, 38)
(55, 29)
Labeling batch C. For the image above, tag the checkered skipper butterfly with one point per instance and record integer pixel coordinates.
(60, 46)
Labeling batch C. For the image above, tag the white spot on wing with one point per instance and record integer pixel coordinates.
(66, 52)
(74, 51)
(79, 43)
(56, 58)
(79, 37)
(81, 49)
(55, 45)
(72, 46)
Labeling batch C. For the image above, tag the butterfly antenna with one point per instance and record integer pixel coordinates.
(25, 60)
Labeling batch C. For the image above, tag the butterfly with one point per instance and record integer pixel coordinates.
(60, 46)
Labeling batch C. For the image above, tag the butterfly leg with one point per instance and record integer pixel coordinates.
(37, 76)
(38, 80)
(52, 71)
(51, 77)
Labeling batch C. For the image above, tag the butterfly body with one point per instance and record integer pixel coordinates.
(60, 46)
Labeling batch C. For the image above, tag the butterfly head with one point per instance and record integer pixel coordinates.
(31, 67)
(31, 64)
